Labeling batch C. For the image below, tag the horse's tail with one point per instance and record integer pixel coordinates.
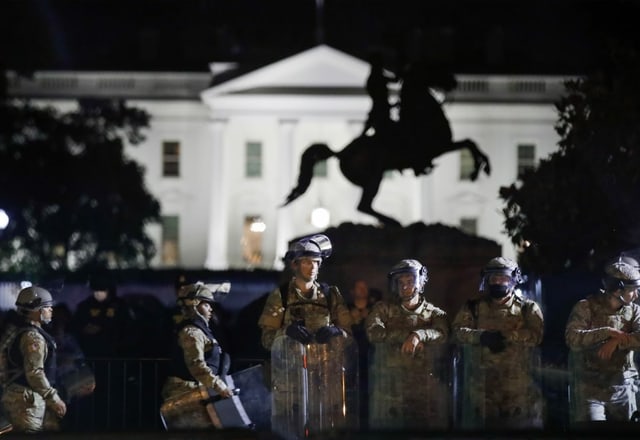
(312, 155)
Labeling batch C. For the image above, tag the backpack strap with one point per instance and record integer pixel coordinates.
(324, 287)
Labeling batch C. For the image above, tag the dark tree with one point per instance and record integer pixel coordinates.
(73, 198)
(581, 205)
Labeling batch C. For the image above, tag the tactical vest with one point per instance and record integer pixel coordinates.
(15, 359)
(212, 357)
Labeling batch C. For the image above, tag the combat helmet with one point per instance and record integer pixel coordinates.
(33, 298)
(620, 275)
(500, 266)
(414, 267)
(315, 246)
(193, 294)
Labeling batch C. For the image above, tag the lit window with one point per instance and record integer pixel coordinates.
(526, 158)
(320, 169)
(469, 225)
(252, 232)
(171, 159)
(170, 243)
(253, 162)
(467, 165)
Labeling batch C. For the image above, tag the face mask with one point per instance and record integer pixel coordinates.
(498, 290)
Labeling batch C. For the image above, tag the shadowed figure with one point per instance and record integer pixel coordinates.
(421, 134)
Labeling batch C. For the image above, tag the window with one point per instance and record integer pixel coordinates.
(469, 225)
(467, 165)
(171, 159)
(320, 169)
(253, 165)
(252, 231)
(526, 158)
(170, 243)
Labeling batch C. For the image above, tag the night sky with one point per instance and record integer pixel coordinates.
(472, 36)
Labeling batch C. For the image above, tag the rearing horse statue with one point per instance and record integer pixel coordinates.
(421, 134)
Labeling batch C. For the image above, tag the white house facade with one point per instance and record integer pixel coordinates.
(221, 159)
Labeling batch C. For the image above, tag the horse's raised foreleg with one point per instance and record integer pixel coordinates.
(369, 192)
(480, 160)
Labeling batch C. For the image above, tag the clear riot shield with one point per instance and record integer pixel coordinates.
(497, 390)
(314, 387)
(409, 392)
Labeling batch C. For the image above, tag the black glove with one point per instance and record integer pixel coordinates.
(299, 332)
(493, 339)
(327, 332)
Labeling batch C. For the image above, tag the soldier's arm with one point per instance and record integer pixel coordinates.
(464, 328)
(530, 335)
(578, 334)
(271, 319)
(34, 352)
(340, 313)
(378, 329)
(634, 336)
(439, 330)
(193, 342)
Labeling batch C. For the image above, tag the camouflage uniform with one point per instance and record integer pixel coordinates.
(501, 390)
(314, 311)
(603, 389)
(310, 373)
(322, 362)
(196, 362)
(408, 392)
(29, 394)
(194, 343)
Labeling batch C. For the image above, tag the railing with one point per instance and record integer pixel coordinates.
(126, 397)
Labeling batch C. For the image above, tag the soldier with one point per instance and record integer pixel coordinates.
(408, 335)
(197, 359)
(601, 332)
(304, 309)
(30, 399)
(306, 326)
(498, 333)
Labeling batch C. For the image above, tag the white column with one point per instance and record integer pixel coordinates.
(217, 254)
(286, 181)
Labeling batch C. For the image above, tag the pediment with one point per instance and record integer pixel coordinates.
(321, 68)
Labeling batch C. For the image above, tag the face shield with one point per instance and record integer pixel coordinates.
(405, 284)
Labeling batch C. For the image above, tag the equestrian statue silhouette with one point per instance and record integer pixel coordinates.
(420, 134)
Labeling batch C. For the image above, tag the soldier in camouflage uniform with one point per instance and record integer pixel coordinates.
(307, 314)
(197, 358)
(409, 336)
(30, 400)
(602, 331)
(498, 333)
(311, 319)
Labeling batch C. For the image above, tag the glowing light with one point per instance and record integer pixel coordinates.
(320, 217)
(257, 225)
(4, 219)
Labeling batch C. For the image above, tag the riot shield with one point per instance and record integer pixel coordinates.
(255, 395)
(409, 392)
(202, 408)
(497, 390)
(314, 387)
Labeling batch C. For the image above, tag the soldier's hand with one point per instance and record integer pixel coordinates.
(299, 332)
(327, 332)
(58, 407)
(619, 335)
(494, 340)
(606, 350)
(226, 393)
(411, 344)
